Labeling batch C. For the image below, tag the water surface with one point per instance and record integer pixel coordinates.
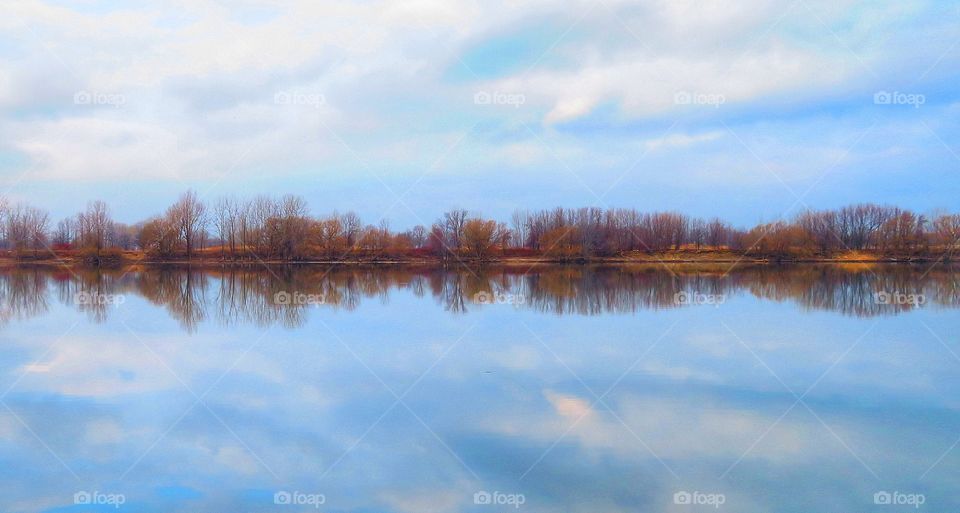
(805, 388)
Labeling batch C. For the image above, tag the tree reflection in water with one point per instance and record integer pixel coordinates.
(256, 295)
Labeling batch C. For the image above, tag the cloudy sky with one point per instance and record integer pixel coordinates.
(746, 110)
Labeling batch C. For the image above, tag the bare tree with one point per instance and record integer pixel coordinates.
(947, 230)
(718, 234)
(697, 233)
(65, 233)
(93, 227)
(330, 234)
(502, 236)
(418, 236)
(351, 227)
(158, 237)
(453, 223)
(226, 214)
(189, 217)
(289, 229)
(520, 219)
(4, 212)
(479, 237)
(26, 227)
(822, 228)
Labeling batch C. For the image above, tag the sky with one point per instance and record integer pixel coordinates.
(749, 110)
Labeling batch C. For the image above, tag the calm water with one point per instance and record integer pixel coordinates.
(559, 389)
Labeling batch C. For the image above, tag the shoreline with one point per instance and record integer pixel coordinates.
(652, 259)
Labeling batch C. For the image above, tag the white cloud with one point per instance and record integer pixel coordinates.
(681, 140)
(425, 500)
(199, 80)
(236, 458)
(646, 85)
(568, 406)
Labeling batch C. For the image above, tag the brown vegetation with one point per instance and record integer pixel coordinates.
(267, 229)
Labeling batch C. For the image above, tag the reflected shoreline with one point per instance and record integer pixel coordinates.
(682, 258)
(284, 294)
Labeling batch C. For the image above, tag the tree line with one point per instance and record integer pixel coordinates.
(282, 229)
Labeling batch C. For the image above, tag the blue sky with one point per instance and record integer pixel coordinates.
(746, 110)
